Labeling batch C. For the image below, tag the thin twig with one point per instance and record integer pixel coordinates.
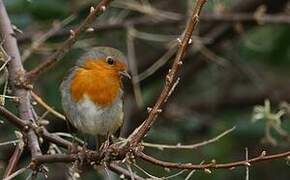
(62, 134)
(16, 173)
(16, 77)
(109, 25)
(137, 135)
(121, 171)
(46, 106)
(192, 146)
(175, 175)
(55, 158)
(146, 9)
(132, 174)
(247, 167)
(157, 64)
(14, 142)
(25, 126)
(19, 123)
(149, 21)
(133, 66)
(4, 96)
(56, 139)
(72, 157)
(192, 172)
(150, 36)
(13, 161)
(107, 171)
(214, 164)
(40, 40)
(74, 36)
(145, 172)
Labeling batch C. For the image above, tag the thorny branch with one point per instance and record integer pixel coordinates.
(46, 106)
(74, 35)
(213, 164)
(13, 161)
(16, 76)
(171, 77)
(148, 21)
(92, 156)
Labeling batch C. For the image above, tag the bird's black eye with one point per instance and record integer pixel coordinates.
(110, 60)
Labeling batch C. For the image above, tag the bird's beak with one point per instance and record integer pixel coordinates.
(125, 74)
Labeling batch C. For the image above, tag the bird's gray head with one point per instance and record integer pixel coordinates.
(102, 52)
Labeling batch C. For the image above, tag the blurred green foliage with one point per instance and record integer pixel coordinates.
(264, 48)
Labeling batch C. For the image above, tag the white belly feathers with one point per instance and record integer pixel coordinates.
(96, 120)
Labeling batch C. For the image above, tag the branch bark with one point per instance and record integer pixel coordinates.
(74, 36)
(171, 78)
(28, 126)
(92, 156)
(148, 21)
(212, 165)
(16, 76)
(13, 161)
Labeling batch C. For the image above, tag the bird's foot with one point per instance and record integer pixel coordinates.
(121, 142)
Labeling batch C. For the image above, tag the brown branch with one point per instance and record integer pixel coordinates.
(217, 33)
(19, 123)
(89, 155)
(46, 106)
(105, 26)
(38, 41)
(13, 161)
(92, 156)
(190, 146)
(26, 126)
(74, 35)
(56, 139)
(85, 156)
(16, 76)
(55, 158)
(148, 21)
(212, 165)
(171, 76)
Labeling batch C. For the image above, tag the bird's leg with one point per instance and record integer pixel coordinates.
(108, 141)
(117, 139)
(120, 141)
(105, 145)
(98, 142)
(101, 140)
(74, 141)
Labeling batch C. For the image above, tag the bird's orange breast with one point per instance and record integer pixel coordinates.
(100, 85)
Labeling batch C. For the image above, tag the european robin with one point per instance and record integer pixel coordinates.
(92, 95)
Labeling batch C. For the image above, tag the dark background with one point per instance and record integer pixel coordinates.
(231, 67)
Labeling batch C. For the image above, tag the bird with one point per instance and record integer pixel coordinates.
(92, 93)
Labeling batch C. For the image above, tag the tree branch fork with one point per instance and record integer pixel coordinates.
(117, 152)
